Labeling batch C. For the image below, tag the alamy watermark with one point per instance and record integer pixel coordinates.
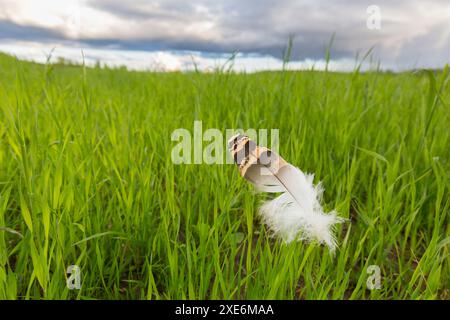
(210, 146)
(74, 280)
(373, 21)
(374, 279)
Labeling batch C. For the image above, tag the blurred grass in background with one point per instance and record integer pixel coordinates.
(86, 178)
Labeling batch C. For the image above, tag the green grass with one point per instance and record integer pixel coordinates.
(86, 178)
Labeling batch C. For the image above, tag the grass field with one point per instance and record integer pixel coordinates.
(86, 179)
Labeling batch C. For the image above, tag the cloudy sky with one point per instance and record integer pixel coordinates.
(173, 34)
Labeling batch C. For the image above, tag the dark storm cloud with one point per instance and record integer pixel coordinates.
(250, 27)
(264, 26)
(12, 31)
(411, 31)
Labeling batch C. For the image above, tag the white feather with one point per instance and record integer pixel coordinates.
(297, 214)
